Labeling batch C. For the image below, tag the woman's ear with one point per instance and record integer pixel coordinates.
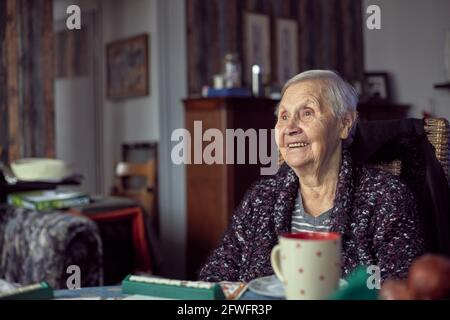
(347, 122)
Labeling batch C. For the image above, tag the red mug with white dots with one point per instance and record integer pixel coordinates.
(308, 264)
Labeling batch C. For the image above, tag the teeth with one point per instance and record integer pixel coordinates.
(297, 145)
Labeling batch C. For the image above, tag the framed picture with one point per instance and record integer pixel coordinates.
(127, 67)
(256, 45)
(287, 49)
(376, 86)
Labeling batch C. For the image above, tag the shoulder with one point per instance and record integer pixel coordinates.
(384, 186)
(380, 178)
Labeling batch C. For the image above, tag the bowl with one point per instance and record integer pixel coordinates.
(39, 169)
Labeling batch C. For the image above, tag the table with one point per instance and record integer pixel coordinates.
(115, 293)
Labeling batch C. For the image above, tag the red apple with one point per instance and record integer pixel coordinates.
(429, 277)
(396, 290)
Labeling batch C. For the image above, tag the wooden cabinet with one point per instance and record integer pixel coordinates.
(213, 191)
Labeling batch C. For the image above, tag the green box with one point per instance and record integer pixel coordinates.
(172, 291)
(39, 291)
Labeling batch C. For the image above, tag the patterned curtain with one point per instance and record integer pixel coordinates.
(26, 79)
(330, 35)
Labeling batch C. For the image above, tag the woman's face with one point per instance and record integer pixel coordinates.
(307, 131)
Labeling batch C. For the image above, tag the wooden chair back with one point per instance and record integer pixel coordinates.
(144, 193)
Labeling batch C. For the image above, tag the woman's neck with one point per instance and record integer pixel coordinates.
(318, 186)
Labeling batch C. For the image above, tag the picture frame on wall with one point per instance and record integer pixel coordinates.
(256, 45)
(287, 49)
(127, 67)
(377, 87)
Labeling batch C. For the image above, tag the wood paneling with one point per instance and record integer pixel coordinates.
(12, 73)
(48, 62)
(71, 53)
(4, 143)
(330, 35)
(27, 74)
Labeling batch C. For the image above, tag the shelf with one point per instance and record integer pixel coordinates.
(445, 85)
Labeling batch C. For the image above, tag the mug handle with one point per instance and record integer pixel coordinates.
(275, 261)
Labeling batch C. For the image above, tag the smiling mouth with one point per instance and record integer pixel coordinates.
(297, 145)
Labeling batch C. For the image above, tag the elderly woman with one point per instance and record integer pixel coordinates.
(319, 188)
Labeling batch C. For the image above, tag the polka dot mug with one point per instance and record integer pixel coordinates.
(308, 264)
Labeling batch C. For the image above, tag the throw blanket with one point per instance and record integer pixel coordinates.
(38, 246)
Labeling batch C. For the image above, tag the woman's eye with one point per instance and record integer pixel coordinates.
(307, 114)
(284, 117)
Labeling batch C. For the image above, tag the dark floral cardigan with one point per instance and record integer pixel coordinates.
(373, 210)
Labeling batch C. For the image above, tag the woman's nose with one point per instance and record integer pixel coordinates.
(293, 128)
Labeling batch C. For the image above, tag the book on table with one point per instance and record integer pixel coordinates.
(37, 291)
(44, 200)
(182, 289)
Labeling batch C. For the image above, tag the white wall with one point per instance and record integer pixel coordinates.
(75, 142)
(147, 118)
(77, 109)
(133, 119)
(172, 59)
(153, 117)
(410, 45)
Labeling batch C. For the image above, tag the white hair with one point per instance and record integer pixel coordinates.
(341, 95)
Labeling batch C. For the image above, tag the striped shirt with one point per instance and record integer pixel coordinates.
(303, 221)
